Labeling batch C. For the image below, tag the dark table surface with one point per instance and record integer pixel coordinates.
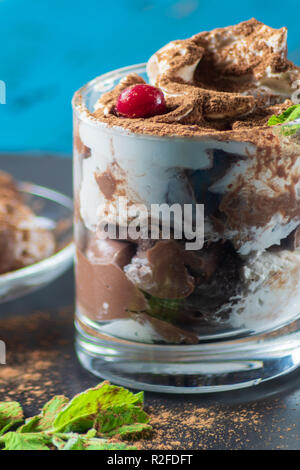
(40, 362)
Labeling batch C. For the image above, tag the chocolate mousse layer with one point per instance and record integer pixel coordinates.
(103, 290)
(105, 293)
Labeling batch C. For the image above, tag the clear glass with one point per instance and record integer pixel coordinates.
(57, 210)
(154, 316)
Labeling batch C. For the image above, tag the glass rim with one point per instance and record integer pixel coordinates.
(77, 97)
(83, 113)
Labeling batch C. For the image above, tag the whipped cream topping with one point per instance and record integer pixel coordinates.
(270, 292)
(242, 57)
(213, 80)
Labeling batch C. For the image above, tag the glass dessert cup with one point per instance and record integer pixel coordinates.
(152, 315)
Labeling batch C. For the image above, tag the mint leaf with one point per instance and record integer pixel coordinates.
(92, 433)
(134, 431)
(74, 441)
(289, 115)
(164, 309)
(103, 444)
(30, 425)
(104, 407)
(84, 423)
(29, 441)
(68, 442)
(11, 414)
(109, 422)
(45, 420)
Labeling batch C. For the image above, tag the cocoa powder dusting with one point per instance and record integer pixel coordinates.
(202, 428)
(34, 348)
(215, 83)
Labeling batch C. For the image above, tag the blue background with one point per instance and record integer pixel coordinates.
(49, 48)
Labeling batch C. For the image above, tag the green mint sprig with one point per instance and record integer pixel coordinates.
(84, 423)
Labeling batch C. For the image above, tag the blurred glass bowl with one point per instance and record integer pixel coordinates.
(57, 211)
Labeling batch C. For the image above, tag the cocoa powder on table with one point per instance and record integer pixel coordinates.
(40, 364)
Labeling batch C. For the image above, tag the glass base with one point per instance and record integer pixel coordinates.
(203, 368)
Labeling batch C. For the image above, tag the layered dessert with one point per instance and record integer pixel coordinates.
(196, 130)
(24, 240)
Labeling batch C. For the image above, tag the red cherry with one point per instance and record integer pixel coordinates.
(139, 101)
